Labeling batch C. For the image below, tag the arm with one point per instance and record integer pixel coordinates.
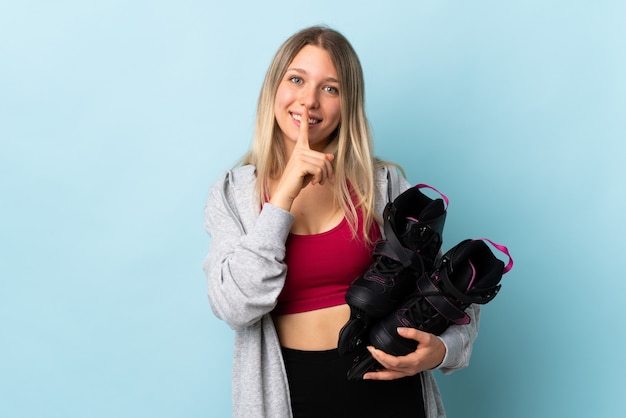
(244, 266)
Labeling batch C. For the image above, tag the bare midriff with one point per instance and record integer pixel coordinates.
(313, 330)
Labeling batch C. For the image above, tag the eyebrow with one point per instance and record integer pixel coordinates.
(302, 71)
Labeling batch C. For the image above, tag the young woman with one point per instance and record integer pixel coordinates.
(291, 228)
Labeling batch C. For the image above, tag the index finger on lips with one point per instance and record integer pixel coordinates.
(303, 135)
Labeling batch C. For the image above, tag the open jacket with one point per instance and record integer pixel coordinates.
(246, 271)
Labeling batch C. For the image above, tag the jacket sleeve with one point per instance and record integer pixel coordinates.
(459, 340)
(245, 266)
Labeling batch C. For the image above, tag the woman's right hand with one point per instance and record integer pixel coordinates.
(305, 166)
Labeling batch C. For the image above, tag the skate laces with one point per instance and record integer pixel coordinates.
(391, 261)
(419, 312)
(386, 266)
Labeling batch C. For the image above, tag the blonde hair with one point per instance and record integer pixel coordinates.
(351, 142)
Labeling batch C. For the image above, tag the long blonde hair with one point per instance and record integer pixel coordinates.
(351, 142)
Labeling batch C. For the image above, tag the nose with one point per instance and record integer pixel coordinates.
(309, 97)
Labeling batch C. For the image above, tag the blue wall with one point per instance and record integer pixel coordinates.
(115, 118)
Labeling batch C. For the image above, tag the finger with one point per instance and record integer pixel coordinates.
(386, 360)
(391, 367)
(330, 171)
(431, 350)
(319, 167)
(321, 172)
(412, 333)
(423, 338)
(303, 135)
(383, 375)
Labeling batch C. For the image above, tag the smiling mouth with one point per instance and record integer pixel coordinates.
(298, 117)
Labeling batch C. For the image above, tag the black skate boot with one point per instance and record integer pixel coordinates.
(413, 225)
(468, 273)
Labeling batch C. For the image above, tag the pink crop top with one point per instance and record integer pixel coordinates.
(320, 267)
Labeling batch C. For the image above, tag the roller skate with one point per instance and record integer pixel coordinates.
(413, 226)
(468, 273)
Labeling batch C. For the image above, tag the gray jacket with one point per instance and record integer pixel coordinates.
(246, 272)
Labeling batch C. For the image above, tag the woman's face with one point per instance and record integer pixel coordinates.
(311, 80)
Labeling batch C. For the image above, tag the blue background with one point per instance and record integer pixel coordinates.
(117, 116)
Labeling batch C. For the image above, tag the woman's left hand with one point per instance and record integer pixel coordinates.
(429, 354)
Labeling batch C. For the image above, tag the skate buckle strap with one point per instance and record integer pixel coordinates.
(440, 302)
(400, 254)
(384, 248)
(503, 250)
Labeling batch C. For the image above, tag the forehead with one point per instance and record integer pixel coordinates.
(315, 61)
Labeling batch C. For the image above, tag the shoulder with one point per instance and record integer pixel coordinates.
(389, 182)
(238, 177)
(235, 180)
(234, 188)
(389, 179)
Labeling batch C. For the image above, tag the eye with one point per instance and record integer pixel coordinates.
(331, 90)
(295, 80)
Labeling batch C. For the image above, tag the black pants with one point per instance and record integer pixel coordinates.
(319, 389)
